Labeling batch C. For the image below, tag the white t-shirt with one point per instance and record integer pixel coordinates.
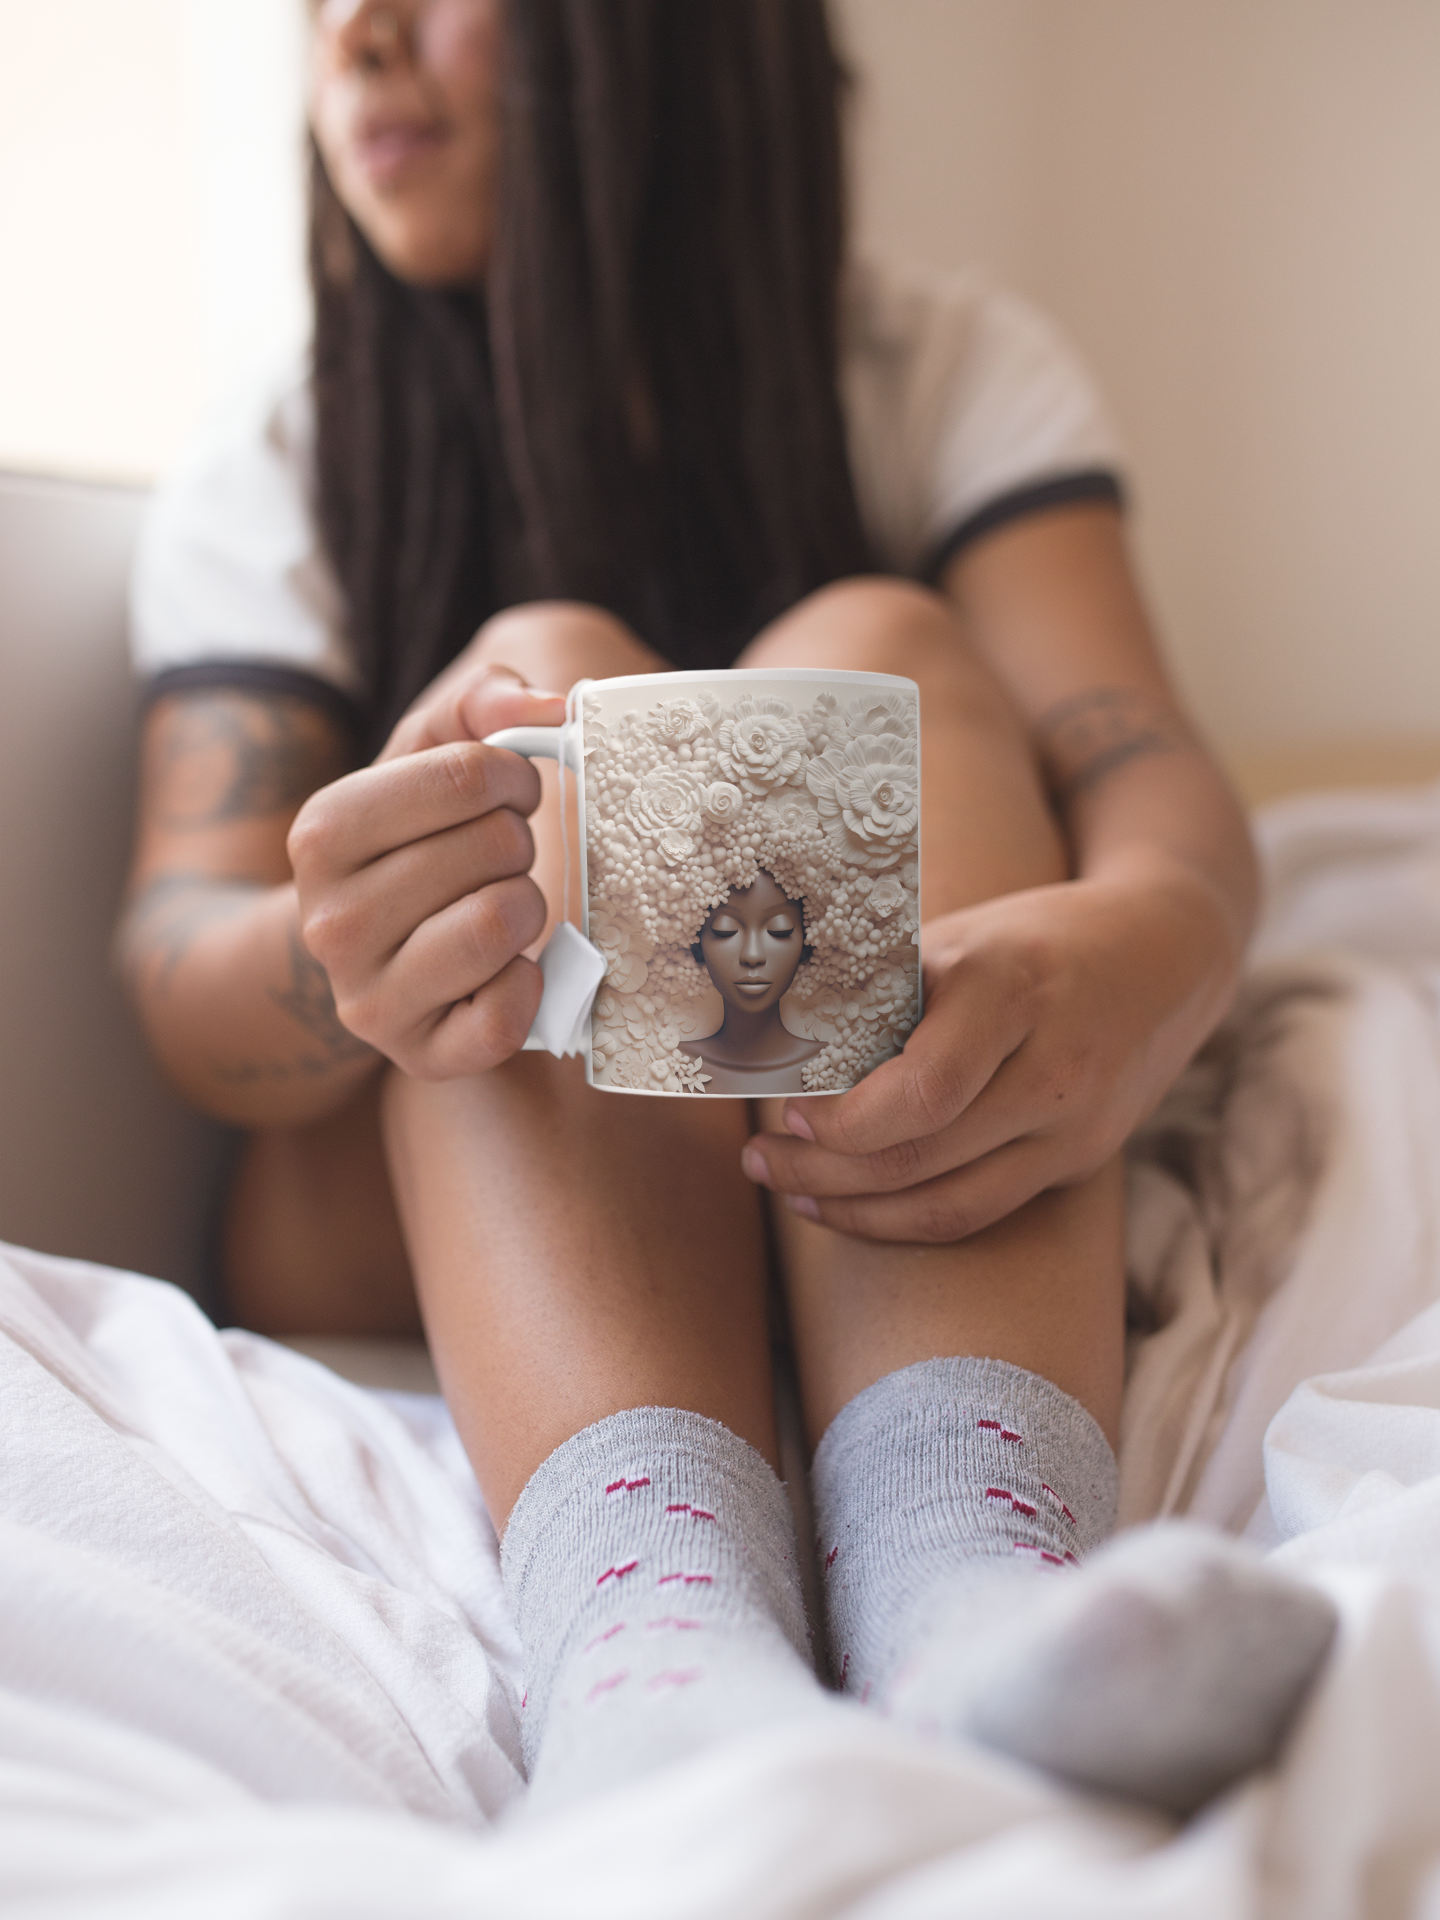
(964, 409)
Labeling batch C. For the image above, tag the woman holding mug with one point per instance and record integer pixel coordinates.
(594, 391)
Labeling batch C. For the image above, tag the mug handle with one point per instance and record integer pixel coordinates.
(571, 967)
(537, 743)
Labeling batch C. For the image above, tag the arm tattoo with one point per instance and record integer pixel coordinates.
(165, 916)
(1088, 737)
(309, 1001)
(239, 756)
(159, 927)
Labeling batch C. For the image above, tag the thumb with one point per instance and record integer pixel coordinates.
(468, 704)
(503, 700)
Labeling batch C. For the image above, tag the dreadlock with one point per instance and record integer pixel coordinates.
(639, 408)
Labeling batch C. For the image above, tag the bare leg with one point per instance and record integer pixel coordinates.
(577, 1253)
(1042, 1289)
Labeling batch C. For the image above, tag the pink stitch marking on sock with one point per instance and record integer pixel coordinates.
(617, 1573)
(1045, 1487)
(1022, 1507)
(680, 1626)
(989, 1426)
(690, 1579)
(1026, 1546)
(999, 1493)
(627, 1486)
(682, 1677)
(601, 1638)
(701, 1513)
(524, 1699)
(1009, 1433)
(830, 1556)
(681, 1506)
(607, 1685)
(1070, 1560)
(1051, 1559)
(844, 1669)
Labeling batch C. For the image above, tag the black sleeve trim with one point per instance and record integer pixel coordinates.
(251, 676)
(1068, 489)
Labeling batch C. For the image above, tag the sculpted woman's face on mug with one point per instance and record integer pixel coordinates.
(752, 945)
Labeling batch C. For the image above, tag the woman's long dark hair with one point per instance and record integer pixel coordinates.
(640, 408)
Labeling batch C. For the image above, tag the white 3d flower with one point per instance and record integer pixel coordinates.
(670, 798)
(722, 802)
(868, 793)
(677, 721)
(887, 896)
(762, 744)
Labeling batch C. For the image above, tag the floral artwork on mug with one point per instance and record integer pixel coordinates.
(753, 880)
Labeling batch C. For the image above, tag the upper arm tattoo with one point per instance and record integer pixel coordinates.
(227, 756)
(1088, 737)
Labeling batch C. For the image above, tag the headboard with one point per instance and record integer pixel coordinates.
(97, 1158)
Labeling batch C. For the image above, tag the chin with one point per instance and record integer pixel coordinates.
(421, 257)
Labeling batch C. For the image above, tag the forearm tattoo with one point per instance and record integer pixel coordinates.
(310, 1003)
(164, 917)
(229, 756)
(1087, 738)
(158, 931)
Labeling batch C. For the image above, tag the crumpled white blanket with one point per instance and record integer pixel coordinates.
(254, 1657)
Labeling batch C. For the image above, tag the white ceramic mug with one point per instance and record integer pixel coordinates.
(750, 853)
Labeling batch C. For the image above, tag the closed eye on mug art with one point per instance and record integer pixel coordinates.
(751, 847)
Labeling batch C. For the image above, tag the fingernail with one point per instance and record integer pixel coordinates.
(802, 1204)
(797, 1123)
(753, 1161)
(543, 693)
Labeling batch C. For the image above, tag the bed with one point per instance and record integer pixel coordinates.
(254, 1656)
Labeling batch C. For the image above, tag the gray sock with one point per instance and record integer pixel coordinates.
(955, 1501)
(651, 1564)
(939, 1473)
(1174, 1663)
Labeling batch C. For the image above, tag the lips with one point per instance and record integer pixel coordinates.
(386, 150)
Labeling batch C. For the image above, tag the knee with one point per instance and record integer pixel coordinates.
(871, 624)
(553, 643)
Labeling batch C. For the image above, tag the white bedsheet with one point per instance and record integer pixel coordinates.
(254, 1658)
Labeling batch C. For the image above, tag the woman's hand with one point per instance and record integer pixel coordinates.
(414, 885)
(1054, 1021)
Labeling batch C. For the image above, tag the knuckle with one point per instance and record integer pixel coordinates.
(897, 1165)
(932, 1094)
(309, 831)
(328, 929)
(465, 767)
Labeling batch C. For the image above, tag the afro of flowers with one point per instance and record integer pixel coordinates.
(696, 793)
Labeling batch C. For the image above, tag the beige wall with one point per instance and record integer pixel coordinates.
(1234, 205)
(150, 220)
(98, 350)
